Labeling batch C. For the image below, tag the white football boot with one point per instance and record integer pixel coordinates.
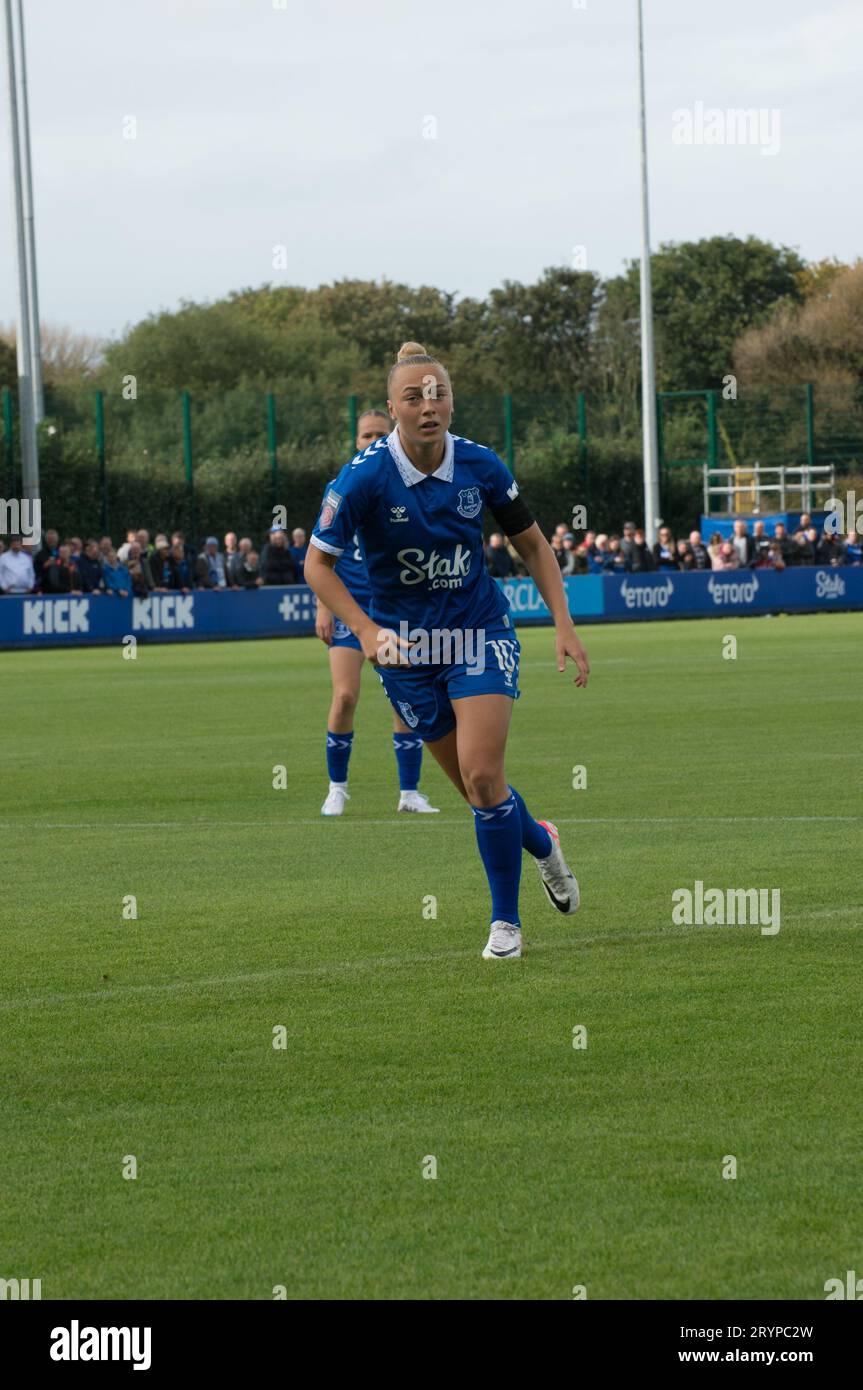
(415, 801)
(504, 942)
(558, 880)
(336, 798)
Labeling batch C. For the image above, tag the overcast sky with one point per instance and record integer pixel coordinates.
(307, 127)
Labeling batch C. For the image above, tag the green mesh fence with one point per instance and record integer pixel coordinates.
(570, 449)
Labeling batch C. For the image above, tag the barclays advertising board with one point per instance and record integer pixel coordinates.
(528, 606)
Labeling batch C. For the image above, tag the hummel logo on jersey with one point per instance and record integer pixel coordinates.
(512, 492)
(438, 571)
(399, 514)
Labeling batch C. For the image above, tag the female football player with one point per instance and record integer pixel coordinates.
(346, 668)
(415, 499)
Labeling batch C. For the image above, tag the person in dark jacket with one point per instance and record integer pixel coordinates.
(179, 538)
(139, 571)
(59, 575)
(247, 573)
(685, 557)
(45, 554)
(665, 551)
(761, 544)
(183, 568)
(90, 568)
(277, 562)
(161, 567)
(700, 553)
(627, 543)
(802, 552)
(640, 556)
(498, 560)
(829, 550)
(783, 540)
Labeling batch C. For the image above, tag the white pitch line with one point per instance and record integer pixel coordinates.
(614, 937)
(407, 818)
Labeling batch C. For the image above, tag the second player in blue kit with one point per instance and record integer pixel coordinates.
(438, 627)
(346, 661)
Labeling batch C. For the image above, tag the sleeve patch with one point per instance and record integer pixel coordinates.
(332, 502)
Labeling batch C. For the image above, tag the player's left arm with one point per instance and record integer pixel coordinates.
(543, 568)
(515, 518)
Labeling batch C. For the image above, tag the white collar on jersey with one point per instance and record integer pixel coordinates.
(411, 475)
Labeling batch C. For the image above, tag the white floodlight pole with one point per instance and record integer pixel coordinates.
(648, 374)
(29, 230)
(29, 455)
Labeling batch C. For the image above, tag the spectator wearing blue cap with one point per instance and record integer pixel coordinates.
(277, 562)
(210, 569)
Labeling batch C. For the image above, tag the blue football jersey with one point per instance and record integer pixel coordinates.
(351, 568)
(421, 535)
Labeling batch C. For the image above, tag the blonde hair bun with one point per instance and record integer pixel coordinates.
(411, 350)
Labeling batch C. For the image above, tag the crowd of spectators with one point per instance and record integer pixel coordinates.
(755, 548)
(140, 566)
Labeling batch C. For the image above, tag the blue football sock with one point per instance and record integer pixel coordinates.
(534, 837)
(339, 755)
(498, 835)
(409, 756)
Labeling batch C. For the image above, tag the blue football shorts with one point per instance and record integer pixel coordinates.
(422, 695)
(343, 637)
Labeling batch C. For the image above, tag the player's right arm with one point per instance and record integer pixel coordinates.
(345, 507)
(319, 571)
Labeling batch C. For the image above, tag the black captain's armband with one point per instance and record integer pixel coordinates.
(513, 517)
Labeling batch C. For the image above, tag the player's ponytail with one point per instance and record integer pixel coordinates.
(410, 350)
(413, 354)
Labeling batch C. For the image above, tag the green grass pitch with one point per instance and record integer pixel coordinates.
(556, 1166)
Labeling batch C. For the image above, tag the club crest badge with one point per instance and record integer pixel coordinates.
(408, 715)
(469, 502)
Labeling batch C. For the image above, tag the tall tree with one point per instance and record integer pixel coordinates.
(537, 337)
(705, 294)
(820, 341)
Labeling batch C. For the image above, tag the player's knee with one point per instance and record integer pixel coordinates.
(483, 785)
(345, 702)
